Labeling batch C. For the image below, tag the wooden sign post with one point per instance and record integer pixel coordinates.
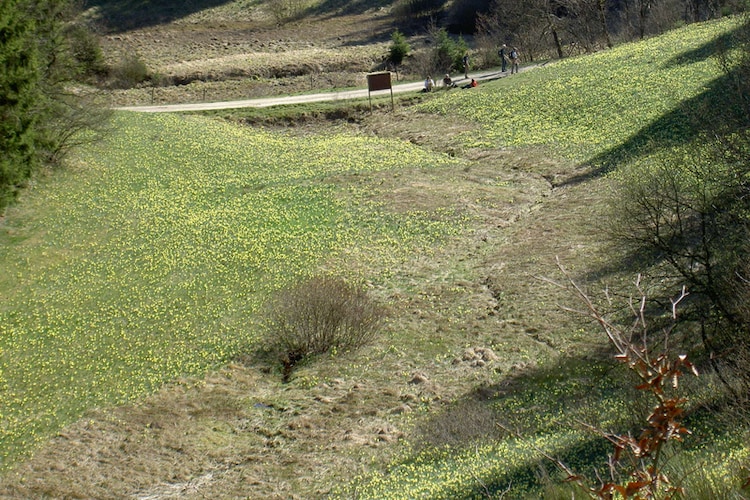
(379, 81)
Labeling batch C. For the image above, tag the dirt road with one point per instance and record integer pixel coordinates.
(304, 98)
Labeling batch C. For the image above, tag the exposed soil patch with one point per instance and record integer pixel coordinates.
(236, 433)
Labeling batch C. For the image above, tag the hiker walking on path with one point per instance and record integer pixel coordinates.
(503, 57)
(514, 57)
(466, 65)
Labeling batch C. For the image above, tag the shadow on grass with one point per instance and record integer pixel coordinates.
(575, 391)
(715, 112)
(531, 402)
(125, 15)
(344, 7)
(707, 50)
(528, 480)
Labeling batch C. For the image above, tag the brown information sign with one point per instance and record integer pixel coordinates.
(379, 81)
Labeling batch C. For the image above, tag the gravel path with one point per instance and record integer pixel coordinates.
(304, 98)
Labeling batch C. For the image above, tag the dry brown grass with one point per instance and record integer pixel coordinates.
(242, 54)
(240, 432)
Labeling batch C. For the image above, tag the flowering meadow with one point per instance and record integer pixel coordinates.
(149, 258)
(585, 107)
(604, 111)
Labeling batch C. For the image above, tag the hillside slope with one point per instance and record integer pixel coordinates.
(238, 50)
(449, 212)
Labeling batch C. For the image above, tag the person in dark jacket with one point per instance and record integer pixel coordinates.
(503, 57)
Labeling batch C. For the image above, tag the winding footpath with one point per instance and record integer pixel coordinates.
(303, 98)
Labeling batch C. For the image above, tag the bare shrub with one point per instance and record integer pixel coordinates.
(466, 421)
(637, 466)
(129, 72)
(77, 118)
(320, 315)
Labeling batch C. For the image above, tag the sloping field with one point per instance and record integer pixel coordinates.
(606, 112)
(150, 260)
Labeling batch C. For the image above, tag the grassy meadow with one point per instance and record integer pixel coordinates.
(149, 259)
(606, 112)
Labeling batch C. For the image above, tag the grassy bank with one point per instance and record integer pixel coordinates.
(604, 112)
(150, 260)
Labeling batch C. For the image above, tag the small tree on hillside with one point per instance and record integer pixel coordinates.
(399, 49)
(448, 53)
(85, 50)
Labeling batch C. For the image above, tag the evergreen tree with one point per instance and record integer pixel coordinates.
(399, 48)
(40, 120)
(20, 91)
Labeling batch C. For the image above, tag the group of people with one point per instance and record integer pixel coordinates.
(448, 83)
(507, 55)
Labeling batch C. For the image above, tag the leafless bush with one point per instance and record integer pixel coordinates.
(129, 72)
(78, 117)
(320, 315)
(466, 421)
(637, 464)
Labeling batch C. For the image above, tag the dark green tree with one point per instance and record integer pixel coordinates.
(39, 116)
(399, 48)
(448, 53)
(20, 90)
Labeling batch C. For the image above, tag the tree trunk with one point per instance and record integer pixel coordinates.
(644, 6)
(558, 45)
(602, 5)
(549, 11)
